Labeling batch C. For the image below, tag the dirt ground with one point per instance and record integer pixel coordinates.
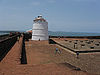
(41, 60)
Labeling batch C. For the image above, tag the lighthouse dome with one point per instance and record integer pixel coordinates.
(40, 19)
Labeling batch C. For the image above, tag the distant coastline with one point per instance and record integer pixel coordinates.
(7, 32)
(4, 32)
(60, 33)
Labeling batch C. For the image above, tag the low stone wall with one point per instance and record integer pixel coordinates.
(4, 36)
(6, 45)
(79, 37)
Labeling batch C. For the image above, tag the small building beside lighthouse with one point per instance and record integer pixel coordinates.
(40, 29)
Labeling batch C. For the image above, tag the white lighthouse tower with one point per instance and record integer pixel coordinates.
(40, 29)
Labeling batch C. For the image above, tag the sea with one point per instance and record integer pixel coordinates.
(4, 32)
(60, 33)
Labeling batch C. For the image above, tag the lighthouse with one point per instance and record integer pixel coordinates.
(40, 29)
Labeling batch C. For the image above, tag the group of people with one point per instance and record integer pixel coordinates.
(59, 52)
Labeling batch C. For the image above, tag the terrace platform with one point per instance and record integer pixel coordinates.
(79, 45)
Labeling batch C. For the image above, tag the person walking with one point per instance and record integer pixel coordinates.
(77, 53)
(56, 50)
(18, 38)
(59, 51)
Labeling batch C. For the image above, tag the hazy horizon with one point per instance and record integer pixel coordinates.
(48, 31)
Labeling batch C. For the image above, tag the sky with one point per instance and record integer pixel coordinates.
(62, 15)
